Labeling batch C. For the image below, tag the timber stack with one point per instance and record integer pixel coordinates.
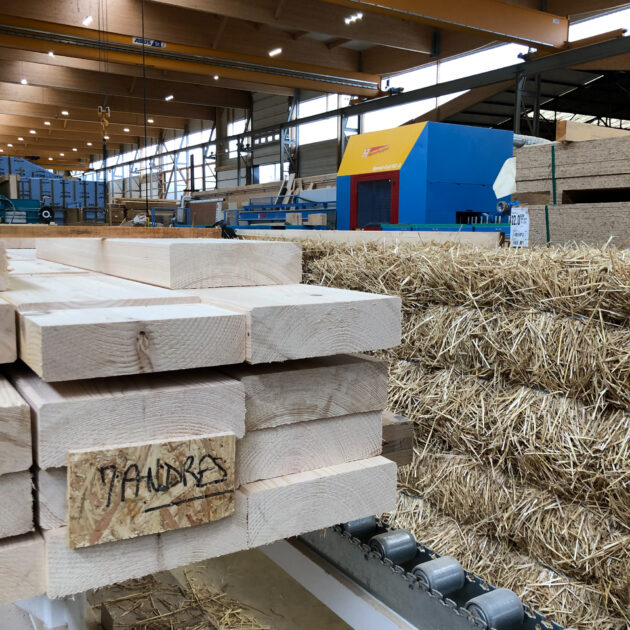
(576, 191)
(188, 398)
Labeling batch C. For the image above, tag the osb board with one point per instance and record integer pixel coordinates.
(130, 491)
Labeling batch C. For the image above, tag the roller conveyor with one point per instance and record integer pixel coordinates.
(431, 592)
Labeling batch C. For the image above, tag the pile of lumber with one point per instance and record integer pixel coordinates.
(585, 186)
(513, 367)
(189, 398)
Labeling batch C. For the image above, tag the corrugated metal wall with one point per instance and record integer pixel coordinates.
(268, 109)
(318, 158)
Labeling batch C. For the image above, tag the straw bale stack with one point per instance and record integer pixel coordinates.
(578, 452)
(565, 600)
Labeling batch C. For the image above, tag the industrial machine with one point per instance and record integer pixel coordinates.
(425, 176)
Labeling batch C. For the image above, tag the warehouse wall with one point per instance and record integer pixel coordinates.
(268, 109)
(584, 223)
(318, 158)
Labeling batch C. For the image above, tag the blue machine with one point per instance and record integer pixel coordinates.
(422, 176)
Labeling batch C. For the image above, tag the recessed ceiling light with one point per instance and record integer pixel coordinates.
(126, 129)
(74, 149)
(51, 53)
(105, 137)
(216, 77)
(1, 150)
(170, 97)
(89, 144)
(20, 139)
(353, 18)
(62, 154)
(10, 145)
(50, 159)
(150, 121)
(32, 131)
(23, 81)
(87, 21)
(65, 112)
(47, 123)
(275, 52)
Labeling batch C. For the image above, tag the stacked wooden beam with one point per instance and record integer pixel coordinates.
(585, 186)
(183, 448)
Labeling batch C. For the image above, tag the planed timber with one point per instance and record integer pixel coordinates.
(572, 131)
(299, 321)
(129, 491)
(71, 571)
(32, 231)
(90, 413)
(15, 430)
(8, 333)
(19, 267)
(35, 292)
(292, 505)
(397, 438)
(95, 342)
(303, 446)
(22, 568)
(182, 263)
(51, 498)
(16, 504)
(296, 391)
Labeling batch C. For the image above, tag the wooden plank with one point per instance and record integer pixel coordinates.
(35, 292)
(296, 391)
(301, 321)
(22, 267)
(398, 438)
(4, 268)
(51, 489)
(93, 342)
(130, 491)
(16, 504)
(90, 413)
(22, 568)
(21, 254)
(30, 231)
(303, 446)
(182, 264)
(488, 240)
(15, 431)
(71, 571)
(8, 333)
(292, 505)
(572, 131)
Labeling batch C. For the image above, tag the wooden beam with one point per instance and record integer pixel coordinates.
(398, 438)
(22, 568)
(314, 15)
(571, 131)
(220, 29)
(339, 41)
(501, 20)
(176, 264)
(16, 504)
(15, 447)
(8, 338)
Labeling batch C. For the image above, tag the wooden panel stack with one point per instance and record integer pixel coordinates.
(585, 186)
(183, 449)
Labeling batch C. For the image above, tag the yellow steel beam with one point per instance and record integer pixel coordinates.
(504, 21)
(38, 36)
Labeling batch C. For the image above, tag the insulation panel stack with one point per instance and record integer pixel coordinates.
(585, 186)
(177, 418)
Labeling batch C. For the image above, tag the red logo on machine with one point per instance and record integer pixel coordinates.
(381, 148)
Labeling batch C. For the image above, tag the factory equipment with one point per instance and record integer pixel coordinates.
(425, 176)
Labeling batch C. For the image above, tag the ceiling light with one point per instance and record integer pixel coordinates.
(47, 123)
(150, 121)
(353, 18)
(32, 131)
(51, 53)
(65, 112)
(88, 20)
(74, 149)
(89, 144)
(105, 137)
(20, 139)
(170, 97)
(126, 129)
(50, 159)
(10, 145)
(23, 81)
(62, 154)
(216, 77)
(275, 52)
(1, 150)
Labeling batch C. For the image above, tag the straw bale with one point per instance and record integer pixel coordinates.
(572, 280)
(584, 359)
(561, 599)
(583, 542)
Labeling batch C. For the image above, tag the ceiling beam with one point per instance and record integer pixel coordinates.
(74, 139)
(494, 18)
(314, 15)
(109, 84)
(67, 99)
(571, 8)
